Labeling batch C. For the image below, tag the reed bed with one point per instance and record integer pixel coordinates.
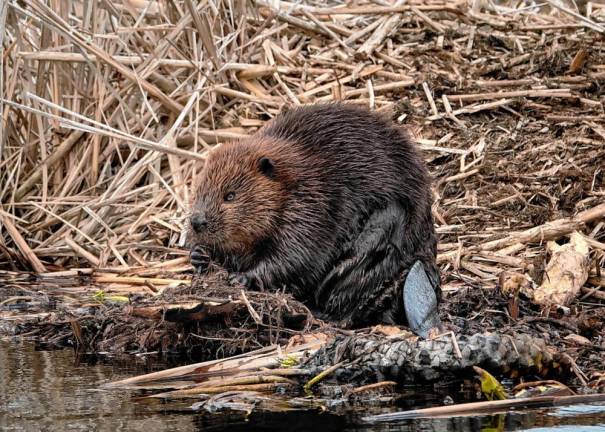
(109, 107)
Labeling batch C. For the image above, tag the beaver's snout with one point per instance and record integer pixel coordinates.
(199, 223)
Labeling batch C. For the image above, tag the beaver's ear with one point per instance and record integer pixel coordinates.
(266, 166)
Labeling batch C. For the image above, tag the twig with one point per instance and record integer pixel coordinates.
(79, 250)
(255, 316)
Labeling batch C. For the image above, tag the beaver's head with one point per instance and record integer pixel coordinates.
(239, 197)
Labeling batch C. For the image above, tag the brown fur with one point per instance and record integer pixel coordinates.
(331, 201)
(237, 227)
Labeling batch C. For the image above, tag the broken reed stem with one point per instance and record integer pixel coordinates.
(263, 383)
(260, 358)
(549, 93)
(255, 316)
(80, 251)
(382, 10)
(21, 243)
(384, 29)
(80, 58)
(263, 388)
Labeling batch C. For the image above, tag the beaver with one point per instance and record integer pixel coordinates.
(333, 203)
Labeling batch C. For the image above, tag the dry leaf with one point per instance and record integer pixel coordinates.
(565, 273)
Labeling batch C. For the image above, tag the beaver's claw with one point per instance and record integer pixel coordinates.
(240, 279)
(420, 301)
(200, 260)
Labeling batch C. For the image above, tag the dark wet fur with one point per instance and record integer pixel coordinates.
(350, 213)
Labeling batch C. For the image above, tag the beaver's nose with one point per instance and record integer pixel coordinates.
(199, 222)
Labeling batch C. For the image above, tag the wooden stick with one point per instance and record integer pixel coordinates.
(255, 316)
(424, 17)
(271, 387)
(249, 383)
(429, 97)
(133, 280)
(594, 292)
(462, 175)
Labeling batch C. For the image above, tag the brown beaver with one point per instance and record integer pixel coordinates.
(331, 202)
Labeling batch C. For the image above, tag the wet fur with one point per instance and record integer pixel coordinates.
(343, 213)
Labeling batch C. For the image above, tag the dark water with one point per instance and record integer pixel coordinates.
(59, 391)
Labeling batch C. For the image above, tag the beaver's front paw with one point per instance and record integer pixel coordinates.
(200, 260)
(241, 279)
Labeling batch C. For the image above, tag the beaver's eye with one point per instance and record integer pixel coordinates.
(230, 196)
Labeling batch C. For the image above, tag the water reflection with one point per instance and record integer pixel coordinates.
(59, 391)
(51, 390)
